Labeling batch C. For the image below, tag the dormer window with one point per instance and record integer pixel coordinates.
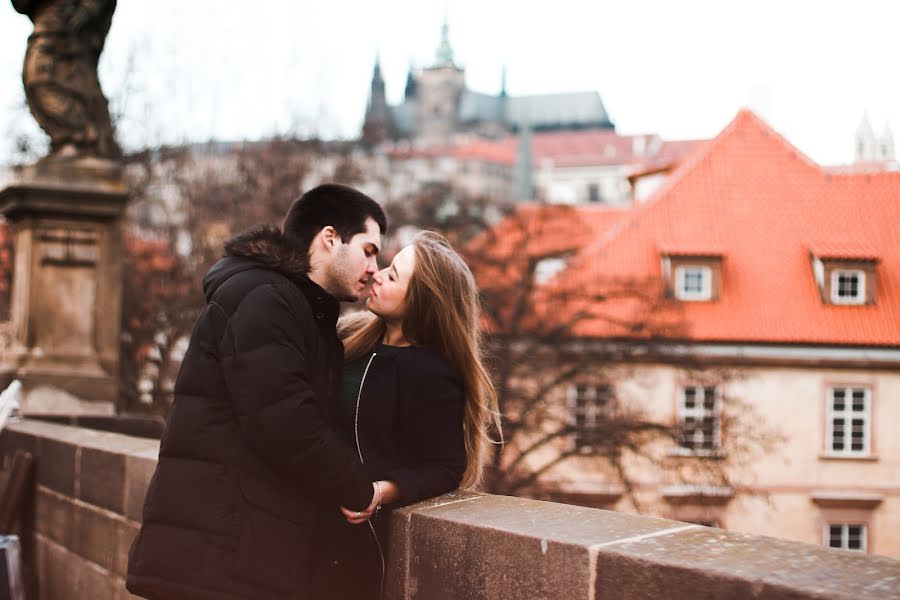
(692, 276)
(693, 282)
(848, 286)
(547, 268)
(845, 276)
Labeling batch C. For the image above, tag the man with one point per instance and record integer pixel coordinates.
(248, 460)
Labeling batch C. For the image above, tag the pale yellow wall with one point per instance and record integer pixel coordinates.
(793, 402)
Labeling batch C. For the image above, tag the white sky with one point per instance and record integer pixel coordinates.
(200, 69)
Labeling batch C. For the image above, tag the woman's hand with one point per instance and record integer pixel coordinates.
(384, 492)
(359, 517)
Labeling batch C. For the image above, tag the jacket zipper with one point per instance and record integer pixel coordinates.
(359, 451)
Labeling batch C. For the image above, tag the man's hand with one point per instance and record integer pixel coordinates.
(359, 517)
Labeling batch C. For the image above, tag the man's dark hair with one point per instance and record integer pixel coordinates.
(340, 206)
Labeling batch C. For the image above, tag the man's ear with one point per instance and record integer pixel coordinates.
(329, 237)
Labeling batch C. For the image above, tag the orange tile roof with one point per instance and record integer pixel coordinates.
(503, 257)
(751, 197)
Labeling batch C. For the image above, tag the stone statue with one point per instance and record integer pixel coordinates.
(60, 75)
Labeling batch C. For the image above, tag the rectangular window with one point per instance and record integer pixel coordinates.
(693, 283)
(700, 418)
(589, 406)
(593, 192)
(848, 286)
(849, 421)
(846, 536)
(547, 268)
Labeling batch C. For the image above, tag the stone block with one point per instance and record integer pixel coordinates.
(102, 479)
(98, 584)
(126, 532)
(139, 468)
(59, 572)
(96, 536)
(56, 466)
(55, 517)
(702, 562)
(12, 440)
(530, 549)
(396, 571)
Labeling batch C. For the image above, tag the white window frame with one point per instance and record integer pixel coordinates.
(698, 412)
(859, 298)
(591, 409)
(547, 268)
(845, 536)
(848, 415)
(705, 292)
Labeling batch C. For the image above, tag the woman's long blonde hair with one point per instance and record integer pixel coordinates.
(443, 313)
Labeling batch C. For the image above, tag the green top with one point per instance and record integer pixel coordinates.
(351, 382)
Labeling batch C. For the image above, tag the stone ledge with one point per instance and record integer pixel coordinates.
(109, 470)
(464, 545)
(472, 546)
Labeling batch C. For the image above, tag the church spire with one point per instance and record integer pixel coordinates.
(378, 125)
(410, 91)
(444, 55)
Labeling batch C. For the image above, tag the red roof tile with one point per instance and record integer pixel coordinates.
(754, 199)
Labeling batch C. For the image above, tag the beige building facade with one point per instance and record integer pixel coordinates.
(829, 473)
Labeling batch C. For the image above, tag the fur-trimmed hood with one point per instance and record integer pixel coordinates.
(266, 245)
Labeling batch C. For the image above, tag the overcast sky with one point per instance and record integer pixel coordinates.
(194, 70)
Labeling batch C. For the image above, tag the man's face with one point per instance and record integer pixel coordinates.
(353, 263)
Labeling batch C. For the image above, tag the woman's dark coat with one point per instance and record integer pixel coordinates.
(409, 426)
(248, 458)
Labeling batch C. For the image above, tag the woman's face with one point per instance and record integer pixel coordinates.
(387, 298)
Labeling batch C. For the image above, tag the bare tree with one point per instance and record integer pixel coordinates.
(549, 331)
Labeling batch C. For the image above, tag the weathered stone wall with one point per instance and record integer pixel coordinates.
(91, 484)
(86, 509)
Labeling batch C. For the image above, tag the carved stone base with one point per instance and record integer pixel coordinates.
(67, 285)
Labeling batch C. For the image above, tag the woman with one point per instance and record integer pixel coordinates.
(417, 402)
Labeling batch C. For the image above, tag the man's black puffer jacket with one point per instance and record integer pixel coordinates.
(248, 456)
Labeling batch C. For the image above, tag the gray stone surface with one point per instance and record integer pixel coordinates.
(59, 571)
(126, 531)
(65, 575)
(66, 297)
(139, 467)
(496, 547)
(712, 563)
(56, 466)
(55, 517)
(96, 537)
(102, 479)
(463, 545)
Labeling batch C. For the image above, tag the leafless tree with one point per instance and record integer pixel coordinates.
(549, 332)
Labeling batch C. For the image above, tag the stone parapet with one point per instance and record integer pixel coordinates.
(86, 506)
(464, 545)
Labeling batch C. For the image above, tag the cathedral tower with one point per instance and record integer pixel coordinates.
(378, 125)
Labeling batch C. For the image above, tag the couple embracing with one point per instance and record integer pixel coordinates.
(295, 433)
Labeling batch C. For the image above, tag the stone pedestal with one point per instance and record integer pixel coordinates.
(67, 285)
